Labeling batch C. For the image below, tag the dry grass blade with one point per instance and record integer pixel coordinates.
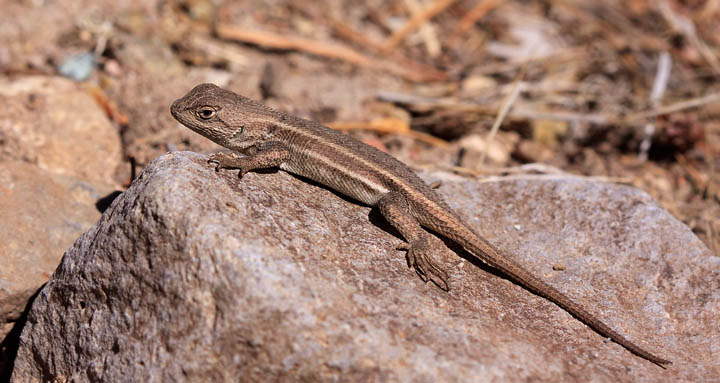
(323, 49)
(390, 125)
(348, 33)
(517, 88)
(673, 108)
(414, 22)
(427, 31)
(427, 103)
(108, 106)
(476, 14)
(662, 75)
(687, 28)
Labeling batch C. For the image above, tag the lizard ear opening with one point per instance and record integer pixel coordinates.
(238, 133)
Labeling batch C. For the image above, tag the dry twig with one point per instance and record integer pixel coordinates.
(346, 32)
(476, 14)
(390, 125)
(659, 85)
(522, 113)
(687, 28)
(427, 31)
(415, 21)
(676, 107)
(517, 88)
(323, 49)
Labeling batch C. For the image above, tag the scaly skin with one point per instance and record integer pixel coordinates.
(270, 138)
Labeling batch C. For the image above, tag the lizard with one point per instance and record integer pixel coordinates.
(272, 139)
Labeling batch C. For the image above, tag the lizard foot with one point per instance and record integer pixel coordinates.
(420, 256)
(228, 161)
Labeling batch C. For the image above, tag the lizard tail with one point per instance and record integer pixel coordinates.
(487, 253)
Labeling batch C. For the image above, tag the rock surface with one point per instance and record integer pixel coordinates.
(42, 215)
(55, 124)
(193, 275)
(58, 152)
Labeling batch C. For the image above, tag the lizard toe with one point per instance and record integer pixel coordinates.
(420, 256)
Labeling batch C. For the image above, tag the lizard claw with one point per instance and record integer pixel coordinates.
(216, 162)
(427, 268)
(227, 161)
(217, 159)
(218, 166)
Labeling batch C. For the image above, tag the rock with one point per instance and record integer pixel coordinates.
(54, 123)
(43, 213)
(30, 35)
(193, 275)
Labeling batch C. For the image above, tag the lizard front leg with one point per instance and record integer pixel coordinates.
(421, 246)
(268, 155)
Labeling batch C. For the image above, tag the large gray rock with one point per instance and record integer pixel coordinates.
(58, 152)
(193, 275)
(55, 124)
(42, 215)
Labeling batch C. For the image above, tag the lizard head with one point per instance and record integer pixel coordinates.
(228, 119)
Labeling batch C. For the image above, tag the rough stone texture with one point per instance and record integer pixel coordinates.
(54, 123)
(193, 275)
(58, 152)
(42, 214)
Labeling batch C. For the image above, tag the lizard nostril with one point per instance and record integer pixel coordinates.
(175, 107)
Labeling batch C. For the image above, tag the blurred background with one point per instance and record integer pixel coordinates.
(624, 91)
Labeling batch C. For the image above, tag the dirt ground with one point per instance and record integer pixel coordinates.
(626, 91)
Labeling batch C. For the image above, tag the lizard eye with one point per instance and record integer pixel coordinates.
(206, 112)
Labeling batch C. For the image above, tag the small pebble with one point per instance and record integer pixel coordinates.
(78, 67)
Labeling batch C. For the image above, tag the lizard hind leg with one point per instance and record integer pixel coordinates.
(421, 246)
